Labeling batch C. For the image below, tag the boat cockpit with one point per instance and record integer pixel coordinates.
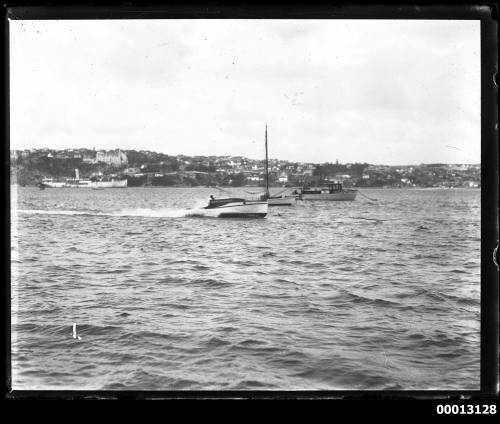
(216, 203)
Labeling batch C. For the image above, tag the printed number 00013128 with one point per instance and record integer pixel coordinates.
(466, 409)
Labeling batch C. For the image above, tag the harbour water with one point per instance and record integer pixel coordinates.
(356, 295)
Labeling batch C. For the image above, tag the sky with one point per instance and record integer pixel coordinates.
(389, 92)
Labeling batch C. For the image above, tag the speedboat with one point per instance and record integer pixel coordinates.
(233, 207)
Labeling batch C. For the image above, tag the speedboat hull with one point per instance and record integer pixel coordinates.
(243, 210)
(237, 208)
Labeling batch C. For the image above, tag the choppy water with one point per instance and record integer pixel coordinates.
(324, 295)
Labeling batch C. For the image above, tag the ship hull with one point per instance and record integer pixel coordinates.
(86, 184)
(110, 184)
(54, 184)
(341, 196)
(82, 184)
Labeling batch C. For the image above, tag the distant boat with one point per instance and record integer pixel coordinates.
(333, 191)
(84, 183)
(277, 199)
(281, 200)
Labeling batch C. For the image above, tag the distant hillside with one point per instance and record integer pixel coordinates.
(28, 167)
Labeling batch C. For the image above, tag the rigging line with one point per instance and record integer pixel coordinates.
(279, 192)
(221, 189)
(267, 168)
(369, 198)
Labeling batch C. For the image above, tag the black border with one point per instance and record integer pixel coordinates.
(487, 13)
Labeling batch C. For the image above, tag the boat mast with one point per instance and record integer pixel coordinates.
(267, 169)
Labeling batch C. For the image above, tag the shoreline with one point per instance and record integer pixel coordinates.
(251, 187)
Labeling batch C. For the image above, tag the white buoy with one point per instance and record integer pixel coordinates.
(74, 332)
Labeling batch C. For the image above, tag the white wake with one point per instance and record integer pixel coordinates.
(131, 212)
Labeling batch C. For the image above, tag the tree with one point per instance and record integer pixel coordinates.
(238, 180)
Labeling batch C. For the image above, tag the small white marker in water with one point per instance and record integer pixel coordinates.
(74, 332)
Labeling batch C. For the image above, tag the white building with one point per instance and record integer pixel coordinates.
(131, 171)
(114, 158)
(283, 178)
(88, 159)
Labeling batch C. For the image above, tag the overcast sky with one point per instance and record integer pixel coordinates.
(382, 92)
